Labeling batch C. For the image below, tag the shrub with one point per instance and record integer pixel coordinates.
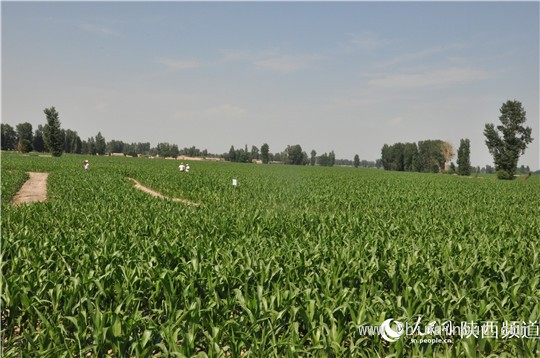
(502, 174)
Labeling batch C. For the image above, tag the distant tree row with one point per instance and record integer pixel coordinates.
(52, 138)
(292, 155)
(428, 156)
(506, 142)
(357, 163)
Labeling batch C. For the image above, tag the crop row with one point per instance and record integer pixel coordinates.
(290, 263)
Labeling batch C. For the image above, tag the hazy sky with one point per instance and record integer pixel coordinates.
(346, 76)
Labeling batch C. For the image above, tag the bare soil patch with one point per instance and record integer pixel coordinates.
(33, 190)
(159, 195)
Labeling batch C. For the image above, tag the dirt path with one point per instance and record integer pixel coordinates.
(33, 190)
(159, 195)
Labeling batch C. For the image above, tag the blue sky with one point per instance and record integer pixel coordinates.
(347, 76)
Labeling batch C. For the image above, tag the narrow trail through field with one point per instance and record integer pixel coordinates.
(159, 195)
(33, 190)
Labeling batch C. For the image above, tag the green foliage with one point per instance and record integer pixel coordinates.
(52, 133)
(265, 149)
(290, 265)
(427, 156)
(9, 137)
(166, 150)
(464, 157)
(38, 144)
(313, 158)
(24, 146)
(430, 156)
(504, 175)
(510, 139)
(101, 145)
(25, 133)
(294, 154)
(327, 159)
(12, 179)
(72, 142)
(356, 161)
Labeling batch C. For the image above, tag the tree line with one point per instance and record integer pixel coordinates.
(506, 143)
(428, 156)
(56, 140)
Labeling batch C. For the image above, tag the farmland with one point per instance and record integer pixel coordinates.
(290, 263)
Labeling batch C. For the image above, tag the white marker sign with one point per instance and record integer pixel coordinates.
(234, 182)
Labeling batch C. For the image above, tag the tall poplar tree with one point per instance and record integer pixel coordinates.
(509, 140)
(52, 133)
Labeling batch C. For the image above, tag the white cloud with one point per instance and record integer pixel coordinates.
(421, 54)
(444, 77)
(270, 59)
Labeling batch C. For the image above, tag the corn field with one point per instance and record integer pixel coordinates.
(289, 263)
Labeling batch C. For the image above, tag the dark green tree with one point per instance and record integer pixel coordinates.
(464, 157)
(164, 150)
(356, 161)
(323, 160)
(254, 152)
(386, 157)
(52, 133)
(313, 158)
(24, 146)
(242, 155)
(88, 146)
(25, 137)
(174, 152)
(37, 143)
(78, 145)
(9, 137)
(332, 158)
(430, 156)
(232, 154)
(509, 140)
(294, 154)
(116, 146)
(101, 145)
(70, 141)
(305, 158)
(265, 153)
(410, 152)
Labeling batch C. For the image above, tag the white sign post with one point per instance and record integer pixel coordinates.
(234, 183)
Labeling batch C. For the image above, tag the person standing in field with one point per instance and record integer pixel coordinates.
(187, 168)
(181, 167)
(86, 165)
